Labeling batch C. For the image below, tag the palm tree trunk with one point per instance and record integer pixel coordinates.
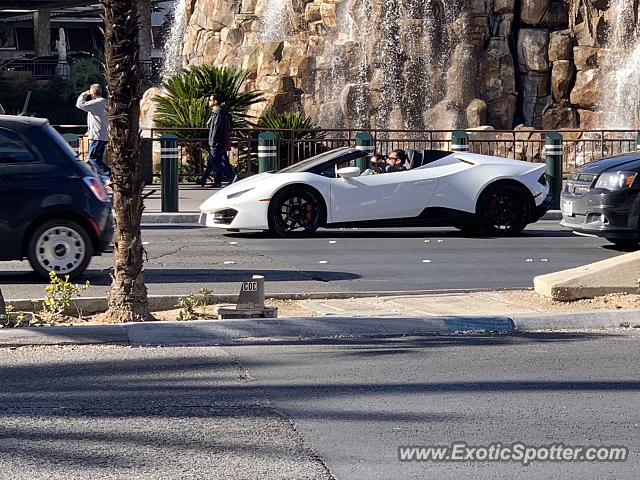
(127, 299)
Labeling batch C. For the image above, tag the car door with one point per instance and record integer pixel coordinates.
(402, 194)
(23, 181)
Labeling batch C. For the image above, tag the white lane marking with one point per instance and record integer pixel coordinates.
(544, 260)
(427, 241)
(426, 260)
(332, 241)
(323, 261)
(229, 262)
(529, 260)
(233, 243)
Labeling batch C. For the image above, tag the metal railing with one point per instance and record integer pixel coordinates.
(48, 69)
(579, 146)
(36, 68)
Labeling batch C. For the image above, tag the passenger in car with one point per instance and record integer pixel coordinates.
(396, 161)
(377, 164)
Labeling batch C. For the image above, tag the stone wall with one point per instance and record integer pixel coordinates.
(503, 62)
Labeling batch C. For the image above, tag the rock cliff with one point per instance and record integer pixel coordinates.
(418, 63)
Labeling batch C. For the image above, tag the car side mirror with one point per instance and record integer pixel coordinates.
(349, 172)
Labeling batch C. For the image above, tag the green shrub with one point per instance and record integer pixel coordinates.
(59, 292)
(13, 318)
(189, 305)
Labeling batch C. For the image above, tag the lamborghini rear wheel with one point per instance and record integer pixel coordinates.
(504, 210)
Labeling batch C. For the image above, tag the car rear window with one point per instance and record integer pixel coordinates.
(14, 149)
(62, 143)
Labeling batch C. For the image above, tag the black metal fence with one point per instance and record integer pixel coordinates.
(579, 146)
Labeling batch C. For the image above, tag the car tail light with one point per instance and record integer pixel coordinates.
(97, 188)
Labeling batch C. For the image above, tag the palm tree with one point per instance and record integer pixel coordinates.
(184, 103)
(127, 299)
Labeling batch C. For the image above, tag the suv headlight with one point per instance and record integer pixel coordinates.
(615, 180)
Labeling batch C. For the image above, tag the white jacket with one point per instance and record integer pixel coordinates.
(97, 120)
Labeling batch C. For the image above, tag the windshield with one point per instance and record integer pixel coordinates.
(309, 163)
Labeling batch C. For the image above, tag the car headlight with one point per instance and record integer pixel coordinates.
(615, 180)
(237, 194)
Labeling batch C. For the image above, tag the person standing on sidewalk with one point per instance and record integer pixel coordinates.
(95, 105)
(219, 131)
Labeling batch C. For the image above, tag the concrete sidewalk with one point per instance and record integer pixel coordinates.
(191, 196)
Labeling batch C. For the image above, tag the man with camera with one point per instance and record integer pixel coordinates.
(95, 105)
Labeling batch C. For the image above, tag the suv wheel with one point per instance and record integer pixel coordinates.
(60, 246)
(626, 243)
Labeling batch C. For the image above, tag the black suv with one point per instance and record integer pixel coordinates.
(603, 198)
(53, 210)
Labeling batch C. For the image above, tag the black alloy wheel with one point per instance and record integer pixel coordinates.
(504, 210)
(295, 212)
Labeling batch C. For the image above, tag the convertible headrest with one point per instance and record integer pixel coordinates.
(415, 158)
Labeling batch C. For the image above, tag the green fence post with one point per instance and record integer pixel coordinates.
(267, 152)
(73, 140)
(169, 172)
(553, 158)
(459, 141)
(364, 142)
(638, 142)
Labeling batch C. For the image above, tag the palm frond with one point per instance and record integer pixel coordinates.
(302, 125)
(184, 103)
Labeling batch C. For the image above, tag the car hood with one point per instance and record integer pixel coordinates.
(477, 159)
(628, 162)
(238, 186)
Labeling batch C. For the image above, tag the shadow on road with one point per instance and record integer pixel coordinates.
(190, 275)
(56, 402)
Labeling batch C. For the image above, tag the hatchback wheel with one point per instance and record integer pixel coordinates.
(60, 246)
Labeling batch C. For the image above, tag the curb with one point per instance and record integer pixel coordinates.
(72, 335)
(587, 319)
(270, 330)
(251, 331)
(166, 217)
(91, 305)
(194, 217)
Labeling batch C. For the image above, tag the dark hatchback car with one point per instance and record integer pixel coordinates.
(602, 198)
(53, 210)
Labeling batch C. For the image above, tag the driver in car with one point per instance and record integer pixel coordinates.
(396, 161)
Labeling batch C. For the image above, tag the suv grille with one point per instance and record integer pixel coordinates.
(586, 177)
(576, 219)
(580, 183)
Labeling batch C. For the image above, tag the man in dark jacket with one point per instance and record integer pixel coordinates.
(219, 132)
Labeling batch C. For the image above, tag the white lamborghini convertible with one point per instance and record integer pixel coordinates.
(469, 191)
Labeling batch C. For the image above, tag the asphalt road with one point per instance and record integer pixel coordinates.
(356, 404)
(316, 409)
(182, 260)
(85, 413)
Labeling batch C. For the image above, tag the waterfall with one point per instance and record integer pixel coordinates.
(173, 63)
(385, 64)
(620, 99)
(278, 21)
(388, 63)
